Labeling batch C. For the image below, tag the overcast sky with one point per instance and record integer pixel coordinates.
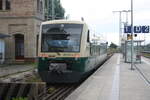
(98, 14)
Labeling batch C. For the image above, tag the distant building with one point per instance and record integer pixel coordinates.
(21, 19)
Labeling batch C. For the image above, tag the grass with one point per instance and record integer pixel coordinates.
(20, 98)
(34, 78)
(50, 90)
(146, 55)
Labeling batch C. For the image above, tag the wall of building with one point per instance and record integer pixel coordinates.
(19, 26)
(22, 8)
(23, 18)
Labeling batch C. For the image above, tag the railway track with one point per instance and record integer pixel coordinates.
(37, 90)
(58, 92)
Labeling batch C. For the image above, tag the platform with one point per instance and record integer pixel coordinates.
(116, 81)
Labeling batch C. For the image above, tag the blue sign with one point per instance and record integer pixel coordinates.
(145, 29)
(127, 29)
(137, 29)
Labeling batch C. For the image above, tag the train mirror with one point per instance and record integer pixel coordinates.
(88, 36)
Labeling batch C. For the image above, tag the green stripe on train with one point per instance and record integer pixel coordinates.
(76, 64)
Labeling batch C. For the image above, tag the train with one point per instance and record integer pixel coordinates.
(67, 53)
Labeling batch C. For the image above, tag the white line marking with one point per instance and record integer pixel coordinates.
(118, 60)
(115, 87)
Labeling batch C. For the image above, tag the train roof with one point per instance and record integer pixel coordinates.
(63, 21)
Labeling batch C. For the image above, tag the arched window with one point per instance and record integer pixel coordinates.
(1, 6)
(39, 6)
(7, 4)
(19, 46)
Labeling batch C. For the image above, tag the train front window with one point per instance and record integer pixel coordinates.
(61, 37)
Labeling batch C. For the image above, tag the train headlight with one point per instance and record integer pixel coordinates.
(77, 55)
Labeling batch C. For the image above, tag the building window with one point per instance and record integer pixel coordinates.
(7, 4)
(4, 4)
(39, 6)
(1, 7)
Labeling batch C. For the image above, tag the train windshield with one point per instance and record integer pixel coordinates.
(61, 37)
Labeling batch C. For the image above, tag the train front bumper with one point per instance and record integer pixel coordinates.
(62, 77)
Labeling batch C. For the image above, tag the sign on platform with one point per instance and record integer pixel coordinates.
(137, 29)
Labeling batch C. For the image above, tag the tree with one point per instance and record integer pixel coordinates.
(112, 45)
(58, 9)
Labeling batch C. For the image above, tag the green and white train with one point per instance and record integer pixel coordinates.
(66, 53)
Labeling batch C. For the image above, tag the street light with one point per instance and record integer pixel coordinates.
(132, 46)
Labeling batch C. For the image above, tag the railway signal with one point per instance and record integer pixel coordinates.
(129, 37)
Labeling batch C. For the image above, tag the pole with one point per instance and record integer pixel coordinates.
(43, 4)
(120, 29)
(126, 23)
(132, 45)
(53, 10)
(47, 9)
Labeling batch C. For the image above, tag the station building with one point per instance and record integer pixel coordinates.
(20, 19)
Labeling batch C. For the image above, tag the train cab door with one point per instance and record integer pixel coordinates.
(19, 47)
(88, 43)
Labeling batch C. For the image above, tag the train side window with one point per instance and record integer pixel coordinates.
(88, 36)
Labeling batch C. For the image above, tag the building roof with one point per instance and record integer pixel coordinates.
(4, 35)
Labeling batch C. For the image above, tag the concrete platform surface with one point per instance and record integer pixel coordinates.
(145, 67)
(114, 81)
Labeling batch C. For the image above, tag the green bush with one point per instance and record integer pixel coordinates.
(19, 98)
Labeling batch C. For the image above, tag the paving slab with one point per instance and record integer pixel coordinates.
(113, 81)
(144, 67)
(132, 84)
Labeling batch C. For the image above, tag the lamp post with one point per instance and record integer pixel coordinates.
(132, 45)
